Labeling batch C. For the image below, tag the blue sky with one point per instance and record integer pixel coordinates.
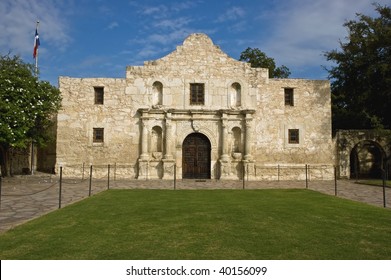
(86, 38)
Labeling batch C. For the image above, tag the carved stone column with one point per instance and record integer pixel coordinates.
(248, 162)
(224, 139)
(168, 161)
(168, 139)
(225, 163)
(143, 170)
(247, 142)
(144, 141)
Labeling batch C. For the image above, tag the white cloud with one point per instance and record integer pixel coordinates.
(233, 13)
(169, 38)
(184, 5)
(161, 10)
(155, 11)
(239, 26)
(173, 24)
(92, 61)
(151, 52)
(112, 25)
(163, 26)
(302, 30)
(18, 21)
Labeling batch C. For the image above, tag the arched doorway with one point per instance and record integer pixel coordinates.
(196, 158)
(366, 160)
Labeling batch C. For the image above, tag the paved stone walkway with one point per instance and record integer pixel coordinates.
(26, 197)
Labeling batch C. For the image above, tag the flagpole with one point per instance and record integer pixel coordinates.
(36, 56)
(36, 50)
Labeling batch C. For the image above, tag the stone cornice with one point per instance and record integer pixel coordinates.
(194, 112)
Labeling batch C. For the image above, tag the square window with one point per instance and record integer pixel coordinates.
(98, 135)
(293, 136)
(99, 95)
(197, 93)
(288, 93)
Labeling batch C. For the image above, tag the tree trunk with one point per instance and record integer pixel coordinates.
(4, 161)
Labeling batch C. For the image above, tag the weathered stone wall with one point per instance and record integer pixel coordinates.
(79, 115)
(197, 61)
(243, 116)
(311, 114)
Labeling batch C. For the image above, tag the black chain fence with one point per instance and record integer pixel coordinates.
(26, 196)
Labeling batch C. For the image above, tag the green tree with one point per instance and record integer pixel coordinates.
(27, 107)
(259, 59)
(361, 79)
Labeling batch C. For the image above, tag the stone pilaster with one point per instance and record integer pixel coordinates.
(225, 163)
(168, 138)
(168, 161)
(144, 141)
(143, 162)
(248, 162)
(224, 138)
(248, 133)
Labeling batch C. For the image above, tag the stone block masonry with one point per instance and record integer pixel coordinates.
(231, 114)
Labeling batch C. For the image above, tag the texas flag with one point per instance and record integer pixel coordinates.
(36, 43)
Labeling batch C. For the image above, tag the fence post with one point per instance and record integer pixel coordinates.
(0, 190)
(115, 171)
(384, 188)
(59, 195)
(174, 176)
(278, 172)
(90, 185)
(306, 176)
(108, 176)
(244, 175)
(247, 171)
(335, 180)
(82, 175)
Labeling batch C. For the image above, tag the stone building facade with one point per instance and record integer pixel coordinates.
(195, 113)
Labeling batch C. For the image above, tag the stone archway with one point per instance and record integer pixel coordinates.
(362, 153)
(367, 160)
(196, 157)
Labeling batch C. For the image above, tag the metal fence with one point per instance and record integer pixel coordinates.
(87, 180)
(273, 172)
(25, 197)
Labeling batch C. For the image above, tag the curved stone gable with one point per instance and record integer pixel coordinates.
(199, 52)
(198, 39)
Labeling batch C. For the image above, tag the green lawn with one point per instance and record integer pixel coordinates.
(205, 224)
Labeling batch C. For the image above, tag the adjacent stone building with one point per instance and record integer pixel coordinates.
(195, 113)
(363, 154)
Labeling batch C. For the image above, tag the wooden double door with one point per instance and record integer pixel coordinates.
(196, 151)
